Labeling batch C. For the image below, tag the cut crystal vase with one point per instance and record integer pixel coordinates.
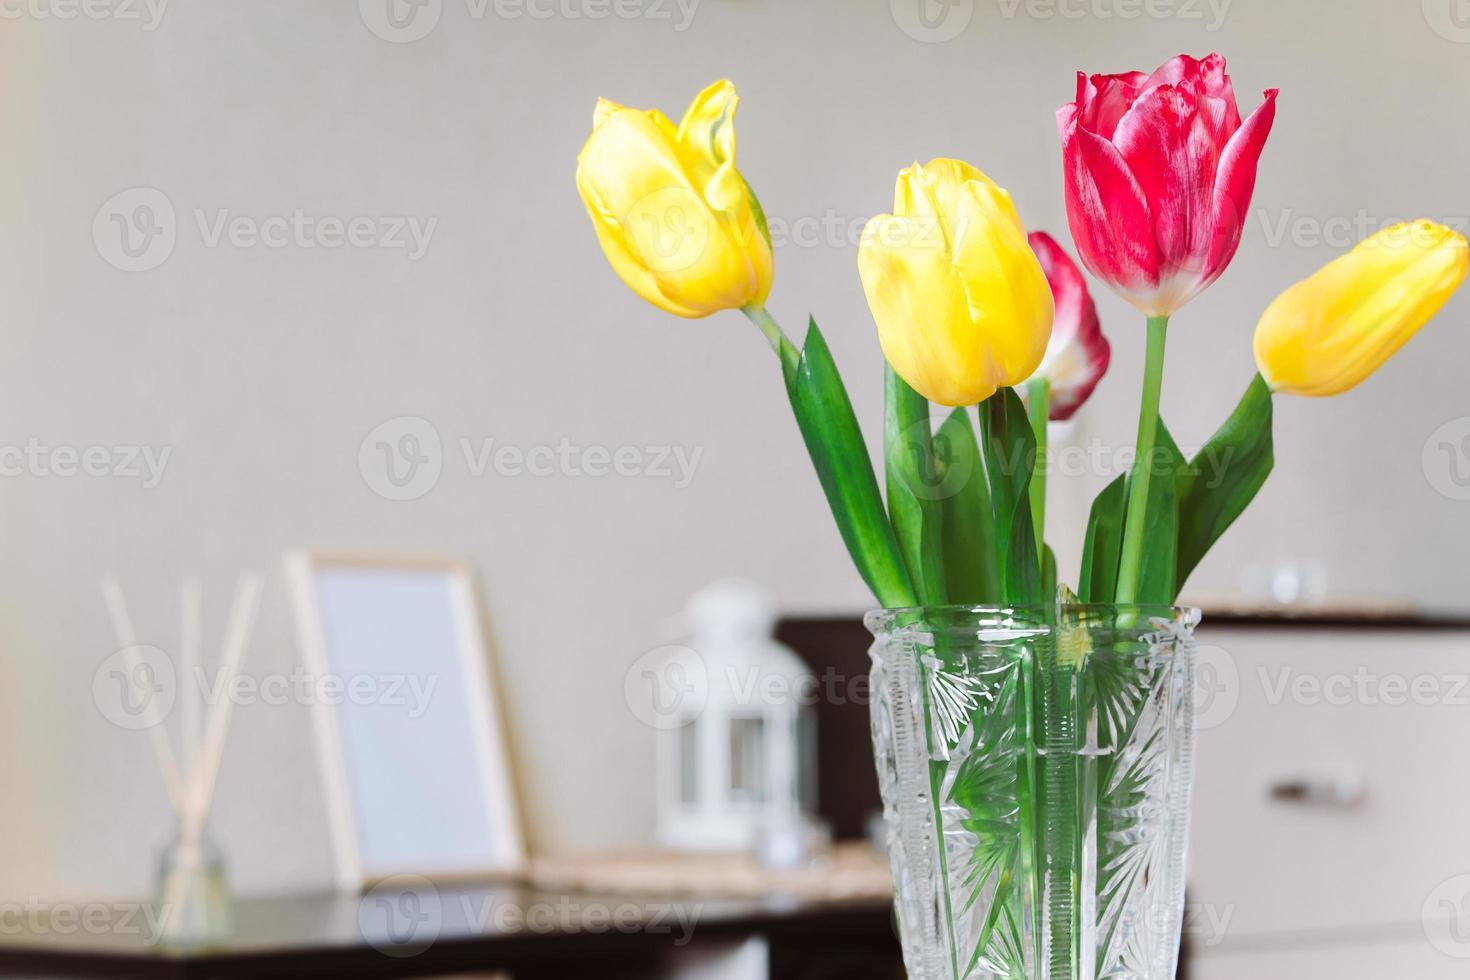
(1035, 766)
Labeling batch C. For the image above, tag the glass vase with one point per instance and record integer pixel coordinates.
(192, 893)
(1036, 766)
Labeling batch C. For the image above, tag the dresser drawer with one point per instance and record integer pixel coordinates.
(1333, 781)
(1402, 961)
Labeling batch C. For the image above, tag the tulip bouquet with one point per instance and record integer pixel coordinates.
(971, 310)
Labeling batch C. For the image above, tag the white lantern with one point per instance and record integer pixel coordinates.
(740, 767)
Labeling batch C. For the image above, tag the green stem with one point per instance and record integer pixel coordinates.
(1148, 427)
(787, 351)
(1038, 398)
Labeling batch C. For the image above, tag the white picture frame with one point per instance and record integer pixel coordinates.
(416, 772)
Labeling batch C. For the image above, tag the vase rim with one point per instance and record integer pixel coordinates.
(1039, 614)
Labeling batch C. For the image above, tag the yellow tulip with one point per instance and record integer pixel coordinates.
(961, 302)
(673, 215)
(1330, 331)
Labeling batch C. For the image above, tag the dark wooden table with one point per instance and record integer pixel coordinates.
(413, 929)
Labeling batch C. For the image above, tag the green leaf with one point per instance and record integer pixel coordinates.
(1103, 546)
(1010, 456)
(1156, 578)
(1021, 575)
(1048, 571)
(971, 574)
(915, 490)
(835, 444)
(1224, 477)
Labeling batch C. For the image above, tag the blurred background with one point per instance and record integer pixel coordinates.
(249, 243)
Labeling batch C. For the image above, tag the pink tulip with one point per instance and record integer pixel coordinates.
(1077, 355)
(1159, 173)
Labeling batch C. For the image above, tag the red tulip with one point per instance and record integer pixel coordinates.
(1159, 175)
(1077, 355)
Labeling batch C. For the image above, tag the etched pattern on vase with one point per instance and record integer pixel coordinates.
(1036, 799)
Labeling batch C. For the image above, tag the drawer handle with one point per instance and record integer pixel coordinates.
(1337, 792)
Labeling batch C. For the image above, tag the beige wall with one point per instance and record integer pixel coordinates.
(264, 369)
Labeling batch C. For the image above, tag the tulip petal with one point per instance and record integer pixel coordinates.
(932, 191)
(1176, 171)
(1078, 354)
(1003, 282)
(920, 311)
(615, 245)
(707, 132)
(960, 301)
(1109, 214)
(1329, 332)
(1159, 172)
(629, 135)
(673, 215)
(1106, 98)
(1235, 183)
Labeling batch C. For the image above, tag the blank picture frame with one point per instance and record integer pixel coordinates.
(416, 772)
